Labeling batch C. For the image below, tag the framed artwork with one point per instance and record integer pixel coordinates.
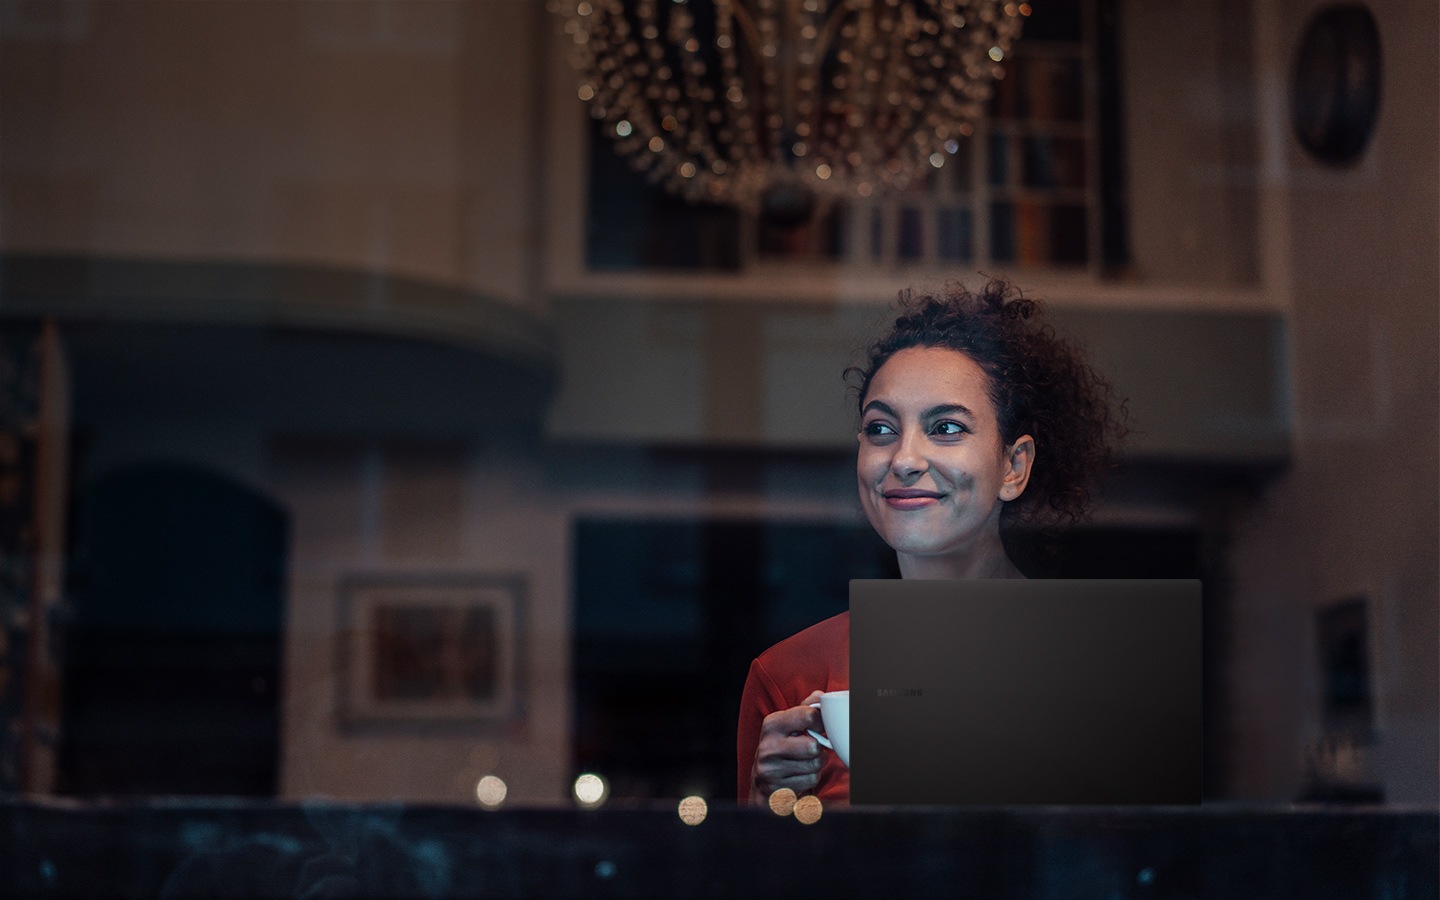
(429, 650)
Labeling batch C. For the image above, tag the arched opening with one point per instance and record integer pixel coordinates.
(172, 664)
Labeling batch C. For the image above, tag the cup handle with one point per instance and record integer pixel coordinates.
(824, 741)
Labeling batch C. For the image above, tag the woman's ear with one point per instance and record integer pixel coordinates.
(1018, 460)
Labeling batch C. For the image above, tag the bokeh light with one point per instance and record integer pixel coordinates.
(782, 802)
(809, 809)
(591, 790)
(490, 791)
(693, 810)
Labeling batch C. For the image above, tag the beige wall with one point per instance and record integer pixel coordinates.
(1191, 141)
(386, 137)
(420, 510)
(1358, 512)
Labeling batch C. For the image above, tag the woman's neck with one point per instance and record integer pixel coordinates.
(984, 560)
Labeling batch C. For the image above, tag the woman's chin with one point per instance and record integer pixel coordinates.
(916, 545)
(921, 543)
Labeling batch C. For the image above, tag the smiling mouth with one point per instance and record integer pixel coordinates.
(911, 499)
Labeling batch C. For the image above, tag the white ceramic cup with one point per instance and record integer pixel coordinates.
(834, 709)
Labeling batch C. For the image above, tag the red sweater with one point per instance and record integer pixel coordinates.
(817, 658)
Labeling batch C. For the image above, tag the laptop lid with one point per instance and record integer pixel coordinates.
(1025, 692)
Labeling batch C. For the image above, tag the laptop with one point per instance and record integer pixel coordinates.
(1025, 692)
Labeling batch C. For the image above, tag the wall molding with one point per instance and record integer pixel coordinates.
(102, 289)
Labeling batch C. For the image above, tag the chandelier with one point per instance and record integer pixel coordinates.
(734, 101)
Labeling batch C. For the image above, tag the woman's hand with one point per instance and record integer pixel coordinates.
(786, 756)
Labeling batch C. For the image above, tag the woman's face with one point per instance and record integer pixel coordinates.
(933, 468)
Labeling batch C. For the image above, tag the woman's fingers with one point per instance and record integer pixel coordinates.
(792, 762)
(786, 755)
(794, 720)
(790, 755)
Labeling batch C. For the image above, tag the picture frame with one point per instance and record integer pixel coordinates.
(430, 651)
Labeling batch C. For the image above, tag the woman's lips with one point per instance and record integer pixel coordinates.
(910, 499)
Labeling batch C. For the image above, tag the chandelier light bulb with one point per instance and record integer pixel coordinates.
(748, 93)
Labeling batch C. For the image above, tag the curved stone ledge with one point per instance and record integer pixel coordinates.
(85, 289)
(282, 348)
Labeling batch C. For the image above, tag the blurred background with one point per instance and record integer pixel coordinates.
(368, 426)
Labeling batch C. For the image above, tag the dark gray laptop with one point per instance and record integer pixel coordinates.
(1025, 692)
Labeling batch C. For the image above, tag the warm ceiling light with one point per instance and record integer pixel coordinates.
(873, 87)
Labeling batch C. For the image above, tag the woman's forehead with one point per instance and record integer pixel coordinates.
(925, 376)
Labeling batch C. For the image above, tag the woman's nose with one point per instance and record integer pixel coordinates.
(908, 461)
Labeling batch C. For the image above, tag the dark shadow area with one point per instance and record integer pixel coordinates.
(281, 850)
(172, 670)
(668, 615)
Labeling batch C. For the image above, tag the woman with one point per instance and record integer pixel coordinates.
(974, 417)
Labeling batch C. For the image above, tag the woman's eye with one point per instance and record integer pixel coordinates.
(948, 428)
(878, 429)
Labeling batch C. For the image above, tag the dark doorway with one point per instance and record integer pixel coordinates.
(668, 615)
(172, 673)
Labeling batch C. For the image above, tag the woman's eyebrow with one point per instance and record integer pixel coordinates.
(938, 410)
(947, 409)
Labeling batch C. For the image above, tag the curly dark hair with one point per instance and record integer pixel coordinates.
(1039, 383)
